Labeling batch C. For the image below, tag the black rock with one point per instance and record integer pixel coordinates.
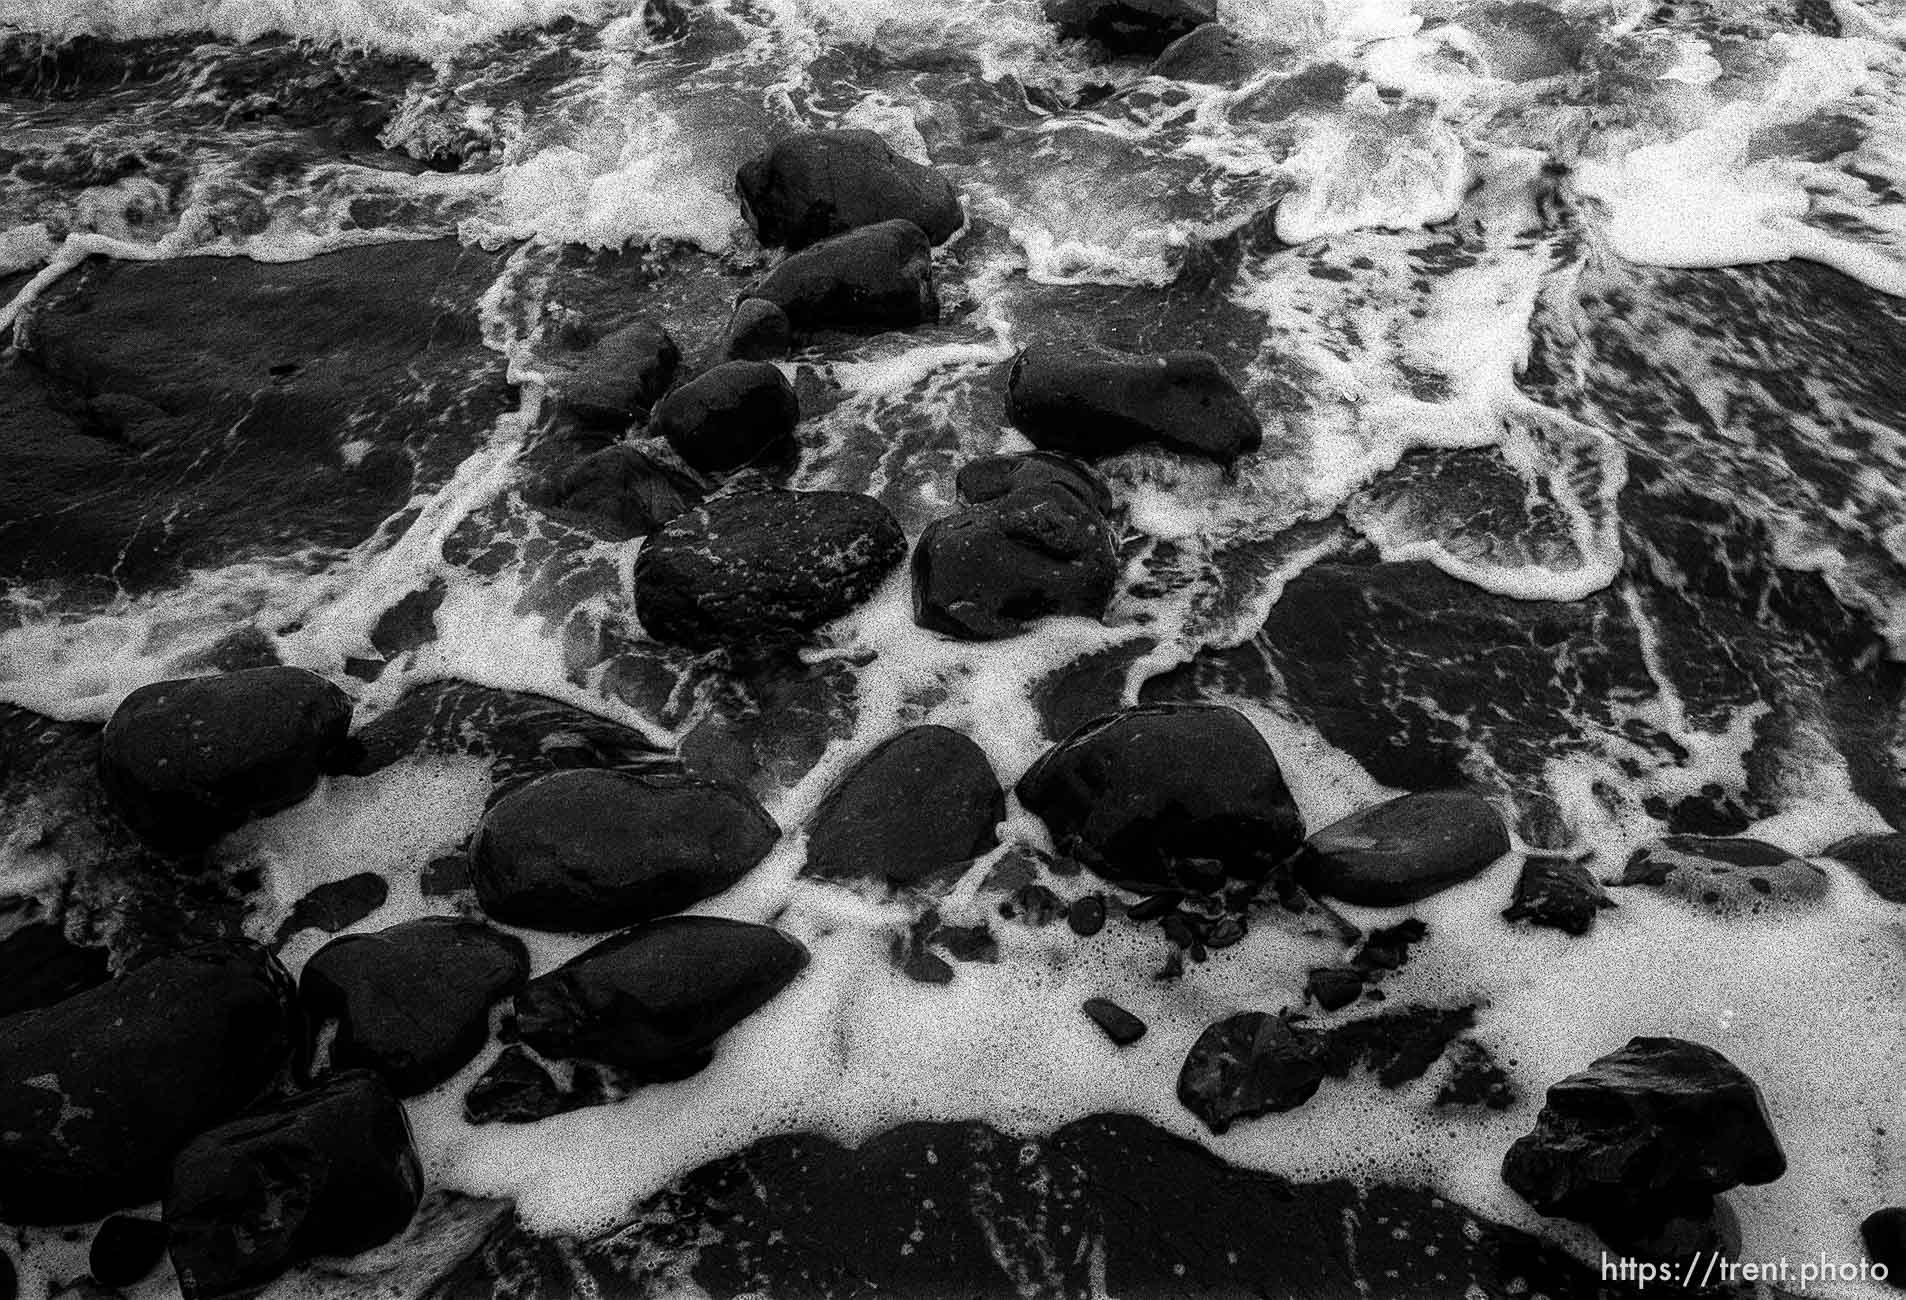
(125, 1250)
(1396, 1045)
(758, 331)
(1334, 987)
(1094, 402)
(1212, 54)
(739, 413)
(1120, 1025)
(328, 1172)
(763, 566)
(522, 735)
(1557, 893)
(412, 1002)
(1035, 905)
(1388, 948)
(992, 477)
(920, 802)
(1404, 849)
(516, 1089)
(1475, 1079)
(818, 184)
(40, 966)
(1086, 916)
(995, 567)
(1643, 1137)
(869, 280)
(1251, 1064)
(654, 1000)
(594, 850)
(1129, 26)
(630, 490)
(1879, 860)
(186, 761)
(1884, 1233)
(621, 376)
(1728, 876)
(98, 1092)
(1135, 794)
(336, 905)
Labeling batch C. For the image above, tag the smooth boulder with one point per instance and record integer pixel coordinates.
(1094, 402)
(621, 376)
(1129, 26)
(758, 331)
(591, 849)
(1727, 875)
(98, 1092)
(763, 566)
(737, 414)
(997, 567)
(1638, 1144)
(184, 762)
(412, 1002)
(1404, 849)
(654, 1000)
(632, 491)
(328, 1172)
(818, 184)
(1150, 797)
(920, 802)
(866, 281)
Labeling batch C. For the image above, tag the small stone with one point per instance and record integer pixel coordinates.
(1559, 894)
(336, 905)
(1389, 948)
(1120, 1025)
(1475, 1079)
(1034, 904)
(125, 1250)
(1404, 849)
(759, 331)
(1086, 916)
(968, 942)
(923, 967)
(516, 1089)
(1251, 1064)
(1334, 987)
(1154, 906)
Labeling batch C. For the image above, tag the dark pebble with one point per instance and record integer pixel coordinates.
(125, 1250)
(1157, 905)
(1225, 931)
(1334, 987)
(1120, 1025)
(1086, 916)
(924, 967)
(1034, 904)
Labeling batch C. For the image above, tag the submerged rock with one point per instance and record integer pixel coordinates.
(818, 184)
(328, 1172)
(186, 761)
(1248, 1065)
(621, 376)
(920, 802)
(739, 413)
(869, 280)
(1404, 849)
(594, 850)
(1129, 26)
(1878, 860)
(1638, 1144)
(1094, 402)
(413, 1002)
(1146, 794)
(1211, 53)
(98, 1092)
(995, 567)
(516, 1089)
(1559, 894)
(1727, 876)
(625, 487)
(763, 566)
(654, 1000)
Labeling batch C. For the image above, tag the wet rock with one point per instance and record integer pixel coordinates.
(596, 850)
(336, 905)
(1475, 1079)
(1035, 905)
(516, 1089)
(758, 331)
(1211, 53)
(654, 1000)
(867, 281)
(1388, 948)
(328, 1172)
(1559, 894)
(1727, 876)
(1638, 1145)
(763, 566)
(186, 761)
(621, 376)
(40, 966)
(1404, 849)
(921, 802)
(818, 184)
(412, 1002)
(739, 413)
(1143, 794)
(1094, 402)
(994, 568)
(1119, 1025)
(1397, 1045)
(992, 477)
(125, 1250)
(1086, 916)
(1879, 860)
(1248, 1065)
(98, 1092)
(624, 487)
(1129, 26)
(1884, 1234)
(1334, 987)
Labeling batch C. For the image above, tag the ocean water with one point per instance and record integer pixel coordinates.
(1590, 312)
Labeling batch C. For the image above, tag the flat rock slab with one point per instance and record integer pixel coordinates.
(1727, 876)
(1404, 849)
